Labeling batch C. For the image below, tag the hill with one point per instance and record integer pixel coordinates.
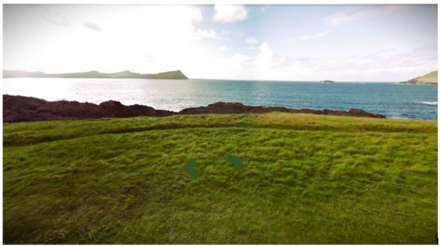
(303, 179)
(169, 75)
(95, 74)
(430, 78)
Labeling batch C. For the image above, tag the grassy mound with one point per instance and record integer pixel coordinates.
(431, 78)
(304, 179)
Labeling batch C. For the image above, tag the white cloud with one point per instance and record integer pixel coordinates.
(270, 65)
(92, 26)
(394, 8)
(56, 18)
(251, 41)
(207, 34)
(362, 14)
(229, 13)
(351, 16)
(332, 22)
(167, 33)
(210, 34)
(315, 35)
(381, 65)
(223, 48)
(267, 59)
(144, 39)
(264, 64)
(241, 59)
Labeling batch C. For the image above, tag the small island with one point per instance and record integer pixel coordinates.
(327, 81)
(95, 74)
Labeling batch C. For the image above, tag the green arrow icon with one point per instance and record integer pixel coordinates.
(191, 169)
(234, 160)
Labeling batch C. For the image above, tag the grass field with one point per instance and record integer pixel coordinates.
(304, 179)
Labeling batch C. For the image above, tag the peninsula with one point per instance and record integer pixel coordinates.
(95, 74)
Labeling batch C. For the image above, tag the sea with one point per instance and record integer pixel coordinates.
(394, 100)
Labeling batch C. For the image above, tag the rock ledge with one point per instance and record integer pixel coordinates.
(20, 108)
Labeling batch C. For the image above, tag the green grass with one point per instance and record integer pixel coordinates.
(304, 179)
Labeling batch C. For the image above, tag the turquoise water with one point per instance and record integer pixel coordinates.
(390, 99)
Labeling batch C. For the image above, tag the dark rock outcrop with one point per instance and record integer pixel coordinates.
(20, 108)
(231, 108)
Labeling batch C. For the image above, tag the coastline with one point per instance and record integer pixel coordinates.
(22, 109)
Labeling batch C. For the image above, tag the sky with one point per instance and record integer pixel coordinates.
(245, 42)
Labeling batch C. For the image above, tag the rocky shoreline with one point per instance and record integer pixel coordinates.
(20, 108)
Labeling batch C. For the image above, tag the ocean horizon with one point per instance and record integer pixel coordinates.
(394, 100)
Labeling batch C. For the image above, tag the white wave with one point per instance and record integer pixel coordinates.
(428, 103)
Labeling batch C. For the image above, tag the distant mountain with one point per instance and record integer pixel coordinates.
(95, 74)
(430, 78)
